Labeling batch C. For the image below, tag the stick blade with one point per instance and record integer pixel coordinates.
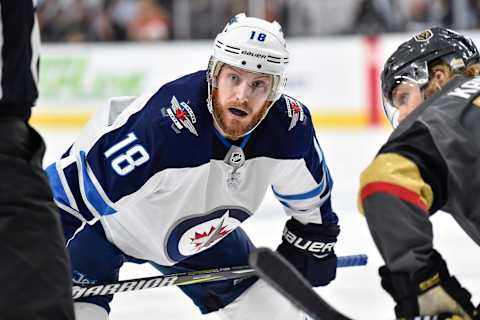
(283, 277)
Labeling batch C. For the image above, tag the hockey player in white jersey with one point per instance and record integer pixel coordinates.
(168, 177)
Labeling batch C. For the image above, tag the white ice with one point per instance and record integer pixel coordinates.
(356, 291)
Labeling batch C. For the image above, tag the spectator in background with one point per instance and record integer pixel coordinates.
(103, 28)
(48, 11)
(205, 19)
(421, 14)
(317, 18)
(377, 16)
(475, 11)
(275, 10)
(65, 20)
(107, 24)
(151, 23)
(121, 13)
(147, 20)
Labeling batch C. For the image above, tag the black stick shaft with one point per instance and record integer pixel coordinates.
(281, 275)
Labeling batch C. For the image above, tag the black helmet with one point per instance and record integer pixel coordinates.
(411, 60)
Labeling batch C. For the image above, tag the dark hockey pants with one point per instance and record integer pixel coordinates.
(34, 268)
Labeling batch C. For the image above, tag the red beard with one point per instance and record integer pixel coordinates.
(236, 129)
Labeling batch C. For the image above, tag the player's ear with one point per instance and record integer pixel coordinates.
(440, 76)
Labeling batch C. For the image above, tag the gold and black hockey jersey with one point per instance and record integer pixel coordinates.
(430, 162)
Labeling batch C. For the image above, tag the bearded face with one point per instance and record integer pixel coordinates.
(236, 126)
(240, 100)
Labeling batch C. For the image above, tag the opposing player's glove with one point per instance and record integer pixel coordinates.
(310, 248)
(431, 290)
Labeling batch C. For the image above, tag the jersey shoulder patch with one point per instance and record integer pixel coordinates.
(286, 132)
(182, 116)
(295, 111)
(181, 105)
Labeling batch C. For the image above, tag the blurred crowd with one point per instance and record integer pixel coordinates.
(153, 20)
(104, 20)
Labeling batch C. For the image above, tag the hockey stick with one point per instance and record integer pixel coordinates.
(282, 276)
(186, 278)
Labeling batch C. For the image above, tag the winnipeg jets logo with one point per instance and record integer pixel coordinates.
(182, 115)
(206, 239)
(294, 111)
(202, 231)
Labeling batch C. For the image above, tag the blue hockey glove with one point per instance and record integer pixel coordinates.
(430, 290)
(310, 248)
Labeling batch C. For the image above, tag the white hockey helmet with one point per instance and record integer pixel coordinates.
(254, 45)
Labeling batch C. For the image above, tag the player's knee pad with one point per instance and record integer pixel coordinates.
(89, 311)
(260, 301)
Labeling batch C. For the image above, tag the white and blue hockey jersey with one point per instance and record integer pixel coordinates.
(152, 169)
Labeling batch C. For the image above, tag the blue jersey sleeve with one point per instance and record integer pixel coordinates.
(306, 187)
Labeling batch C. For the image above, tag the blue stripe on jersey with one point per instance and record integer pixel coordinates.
(91, 193)
(301, 196)
(56, 184)
(285, 203)
(72, 177)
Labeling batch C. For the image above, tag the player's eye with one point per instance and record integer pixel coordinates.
(401, 99)
(258, 84)
(234, 77)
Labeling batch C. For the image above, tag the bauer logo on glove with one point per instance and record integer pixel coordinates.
(317, 248)
(310, 248)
